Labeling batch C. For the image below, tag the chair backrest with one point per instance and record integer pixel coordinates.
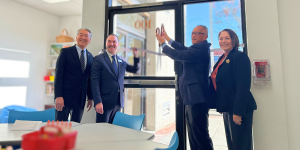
(173, 143)
(129, 121)
(43, 116)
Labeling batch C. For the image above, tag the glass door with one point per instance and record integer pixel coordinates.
(153, 90)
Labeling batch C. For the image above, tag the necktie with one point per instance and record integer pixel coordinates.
(82, 61)
(114, 64)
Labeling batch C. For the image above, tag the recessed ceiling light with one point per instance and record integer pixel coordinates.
(55, 1)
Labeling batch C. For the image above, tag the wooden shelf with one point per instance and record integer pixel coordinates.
(50, 66)
(53, 55)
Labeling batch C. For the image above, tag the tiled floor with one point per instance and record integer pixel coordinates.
(216, 131)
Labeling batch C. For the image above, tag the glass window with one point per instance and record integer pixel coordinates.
(134, 2)
(158, 105)
(122, 42)
(13, 95)
(138, 30)
(216, 16)
(14, 69)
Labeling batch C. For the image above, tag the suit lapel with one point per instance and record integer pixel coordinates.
(119, 65)
(218, 62)
(107, 59)
(76, 57)
(88, 60)
(228, 57)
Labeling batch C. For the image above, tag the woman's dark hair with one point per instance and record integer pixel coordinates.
(234, 38)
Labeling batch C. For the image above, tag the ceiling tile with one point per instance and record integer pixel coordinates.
(32, 2)
(54, 10)
(70, 7)
(73, 7)
(78, 2)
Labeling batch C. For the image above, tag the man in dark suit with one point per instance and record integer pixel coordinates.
(72, 77)
(193, 83)
(107, 80)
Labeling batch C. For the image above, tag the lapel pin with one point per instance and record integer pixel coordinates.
(227, 61)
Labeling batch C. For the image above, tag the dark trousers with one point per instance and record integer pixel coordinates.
(239, 137)
(108, 115)
(75, 112)
(197, 124)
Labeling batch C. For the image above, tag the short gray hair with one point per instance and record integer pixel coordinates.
(86, 30)
(205, 28)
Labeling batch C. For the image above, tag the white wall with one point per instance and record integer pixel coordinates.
(272, 31)
(289, 22)
(27, 29)
(71, 23)
(93, 17)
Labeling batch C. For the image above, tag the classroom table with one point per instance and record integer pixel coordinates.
(119, 145)
(8, 137)
(105, 136)
(95, 136)
(102, 132)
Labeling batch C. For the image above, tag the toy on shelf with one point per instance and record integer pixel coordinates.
(53, 136)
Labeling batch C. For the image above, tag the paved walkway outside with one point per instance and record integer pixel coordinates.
(216, 131)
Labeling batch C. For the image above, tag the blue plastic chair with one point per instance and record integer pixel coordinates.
(5, 111)
(43, 116)
(173, 143)
(129, 121)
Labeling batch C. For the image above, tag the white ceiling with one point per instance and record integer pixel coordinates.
(73, 7)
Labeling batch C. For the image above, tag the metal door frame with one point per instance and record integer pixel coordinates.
(178, 7)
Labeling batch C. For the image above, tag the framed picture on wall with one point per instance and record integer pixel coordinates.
(56, 47)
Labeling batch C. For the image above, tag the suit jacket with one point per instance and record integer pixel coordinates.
(70, 83)
(193, 82)
(233, 84)
(106, 85)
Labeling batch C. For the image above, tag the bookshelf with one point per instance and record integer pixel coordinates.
(51, 58)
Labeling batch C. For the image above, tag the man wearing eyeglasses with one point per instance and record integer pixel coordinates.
(72, 79)
(193, 83)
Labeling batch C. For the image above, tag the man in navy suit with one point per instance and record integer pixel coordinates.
(193, 83)
(72, 77)
(107, 80)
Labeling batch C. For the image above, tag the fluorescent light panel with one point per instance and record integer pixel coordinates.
(56, 1)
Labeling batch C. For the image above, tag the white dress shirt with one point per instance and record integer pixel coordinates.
(110, 55)
(84, 55)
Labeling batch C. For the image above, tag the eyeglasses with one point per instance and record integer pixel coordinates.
(197, 33)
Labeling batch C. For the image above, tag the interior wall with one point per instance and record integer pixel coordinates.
(289, 22)
(270, 127)
(93, 17)
(23, 28)
(71, 23)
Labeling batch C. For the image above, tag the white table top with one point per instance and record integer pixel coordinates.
(103, 132)
(94, 136)
(8, 137)
(119, 145)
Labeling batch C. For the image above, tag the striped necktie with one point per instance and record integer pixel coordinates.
(82, 61)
